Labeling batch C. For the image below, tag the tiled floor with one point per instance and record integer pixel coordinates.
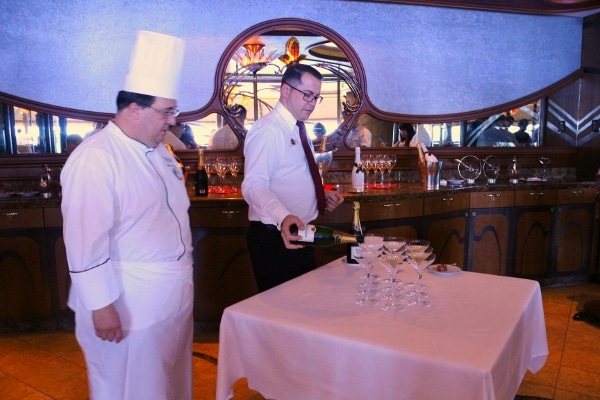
(43, 366)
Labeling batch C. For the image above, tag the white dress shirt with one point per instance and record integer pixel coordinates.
(125, 212)
(277, 181)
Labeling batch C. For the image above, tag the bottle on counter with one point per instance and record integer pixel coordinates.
(201, 181)
(322, 236)
(46, 182)
(358, 173)
(422, 164)
(514, 171)
(355, 230)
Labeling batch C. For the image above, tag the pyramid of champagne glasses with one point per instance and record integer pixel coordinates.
(393, 253)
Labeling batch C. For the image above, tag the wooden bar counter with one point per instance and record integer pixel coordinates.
(545, 231)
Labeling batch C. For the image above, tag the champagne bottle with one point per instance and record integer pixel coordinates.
(201, 183)
(46, 182)
(355, 230)
(322, 236)
(514, 172)
(421, 164)
(358, 172)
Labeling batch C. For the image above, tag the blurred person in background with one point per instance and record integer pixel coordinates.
(225, 138)
(73, 140)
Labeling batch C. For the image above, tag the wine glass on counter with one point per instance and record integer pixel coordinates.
(544, 161)
(234, 167)
(369, 167)
(390, 162)
(209, 166)
(221, 166)
(380, 165)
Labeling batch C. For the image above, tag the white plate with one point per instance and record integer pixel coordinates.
(452, 270)
(455, 182)
(27, 194)
(534, 179)
(4, 195)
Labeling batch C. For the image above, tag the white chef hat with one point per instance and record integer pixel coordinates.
(155, 65)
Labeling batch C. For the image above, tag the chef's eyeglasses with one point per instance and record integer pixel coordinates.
(308, 96)
(173, 112)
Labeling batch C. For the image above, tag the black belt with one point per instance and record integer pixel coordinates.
(264, 227)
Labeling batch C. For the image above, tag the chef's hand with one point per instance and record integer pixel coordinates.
(287, 235)
(332, 199)
(107, 324)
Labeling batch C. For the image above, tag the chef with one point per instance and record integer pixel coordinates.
(128, 239)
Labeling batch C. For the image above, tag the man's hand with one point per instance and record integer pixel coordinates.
(107, 324)
(287, 235)
(332, 199)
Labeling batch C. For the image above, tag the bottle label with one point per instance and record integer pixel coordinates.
(308, 234)
(353, 252)
(358, 180)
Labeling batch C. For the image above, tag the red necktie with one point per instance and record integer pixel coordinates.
(312, 166)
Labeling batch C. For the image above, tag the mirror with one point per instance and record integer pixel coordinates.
(252, 69)
(213, 132)
(517, 127)
(30, 131)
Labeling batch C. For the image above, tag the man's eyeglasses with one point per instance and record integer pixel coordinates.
(308, 96)
(173, 112)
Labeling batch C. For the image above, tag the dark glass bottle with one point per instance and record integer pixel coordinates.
(322, 236)
(355, 230)
(201, 182)
(46, 182)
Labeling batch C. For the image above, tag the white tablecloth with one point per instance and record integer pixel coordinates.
(307, 339)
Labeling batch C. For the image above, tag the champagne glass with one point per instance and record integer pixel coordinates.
(366, 256)
(380, 164)
(234, 167)
(209, 166)
(221, 167)
(544, 161)
(393, 256)
(420, 261)
(383, 160)
(390, 163)
(393, 245)
(368, 164)
(416, 247)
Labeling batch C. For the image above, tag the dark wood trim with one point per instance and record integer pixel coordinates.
(55, 110)
(543, 7)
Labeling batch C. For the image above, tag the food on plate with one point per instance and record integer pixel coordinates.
(442, 268)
